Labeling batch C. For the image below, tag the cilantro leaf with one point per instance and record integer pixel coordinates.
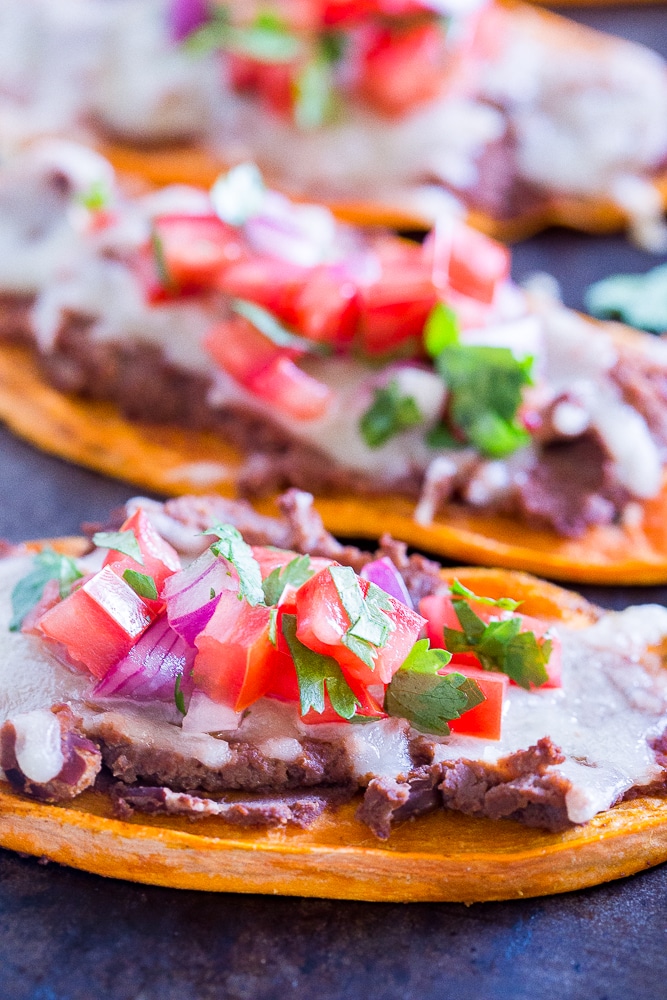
(314, 102)
(500, 646)
(423, 660)
(316, 672)
(163, 274)
(429, 701)
(230, 546)
(638, 299)
(388, 415)
(268, 39)
(294, 574)
(441, 329)
(47, 565)
(273, 627)
(267, 324)
(141, 584)
(120, 541)
(457, 589)
(369, 627)
(178, 695)
(96, 197)
(485, 386)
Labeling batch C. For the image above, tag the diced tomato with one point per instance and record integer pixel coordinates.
(98, 623)
(274, 284)
(161, 560)
(394, 308)
(291, 390)
(266, 370)
(285, 685)
(196, 248)
(322, 623)
(403, 68)
(238, 347)
(438, 609)
(471, 263)
(327, 308)
(270, 559)
(346, 12)
(271, 82)
(234, 663)
(485, 720)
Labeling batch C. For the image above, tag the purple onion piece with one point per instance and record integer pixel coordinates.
(149, 670)
(384, 574)
(190, 605)
(185, 16)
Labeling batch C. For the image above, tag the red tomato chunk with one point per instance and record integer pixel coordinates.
(98, 623)
(235, 659)
(322, 622)
(438, 609)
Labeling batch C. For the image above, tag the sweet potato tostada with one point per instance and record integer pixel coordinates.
(386, 110)
(257, 344)
(300, 834)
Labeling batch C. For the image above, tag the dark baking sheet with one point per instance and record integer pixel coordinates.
(66, 935)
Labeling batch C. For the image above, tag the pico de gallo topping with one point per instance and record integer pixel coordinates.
(297, 286)
(242, 623)
(304, 61)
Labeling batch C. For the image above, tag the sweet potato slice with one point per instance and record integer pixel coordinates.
(175, 461)
(197, 165)
(442, 856)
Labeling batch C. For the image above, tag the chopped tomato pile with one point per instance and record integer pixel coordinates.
(289, 282)
(240, 623)
(295, 59)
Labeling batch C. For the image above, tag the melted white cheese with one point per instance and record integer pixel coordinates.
(38, 751)
(613, 699)
(610, 703)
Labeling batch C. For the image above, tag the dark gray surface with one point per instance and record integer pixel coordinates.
(66, 935)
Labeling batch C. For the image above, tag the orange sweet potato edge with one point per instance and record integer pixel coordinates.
(196, 165)
(174, 461)
(441, 856)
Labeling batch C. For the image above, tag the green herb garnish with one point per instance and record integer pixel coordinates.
(637, 299)
(120, 541)
(266, 323)
(268, 39)
(163, 274)
(141, 584)
(96, 197)
(457, 589)
(273, 626)
(230, 546)
(47, 565)
(178, 695)
(430, 701)
(500, 646)
(423, 660)
(485, 387)
(388, 415)
(369, 628)
(294, 574)
(314, 101)
(317, 673)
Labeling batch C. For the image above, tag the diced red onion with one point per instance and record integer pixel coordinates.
(150, 669)
(384, 574)
(188, 594)
(185, 16)
(208, 716)
(300, 234)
